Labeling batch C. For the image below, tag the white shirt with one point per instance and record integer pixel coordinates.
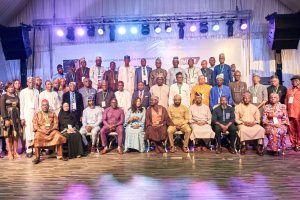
(126, 74)
(96, 74)
(183, 91)
(124, 100)
(53, 99)
(192, 75)
(91, 116)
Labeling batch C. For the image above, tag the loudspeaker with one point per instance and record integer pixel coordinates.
(284, 31)
(15, 42)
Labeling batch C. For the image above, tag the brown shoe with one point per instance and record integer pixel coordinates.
(231, 150)
(204, 149)
(243, 150)
(120, 151)
(104, 151)
(260, 150)
(185, 149)
(93, 149)
(160, 149)
(219, 149)
(172, 149)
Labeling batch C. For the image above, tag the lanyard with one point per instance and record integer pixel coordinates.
(222, 68)
(179, 87)
(275, 90)
(190, 73)
(46, 118)
(204, 72)
(73, 77)
(83, 72)
(220, 92)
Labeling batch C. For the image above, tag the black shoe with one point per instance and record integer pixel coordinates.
(36, 161)
(260, 150)
(231, 150)
(29, 155)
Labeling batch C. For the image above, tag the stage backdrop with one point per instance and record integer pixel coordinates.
(165, 49)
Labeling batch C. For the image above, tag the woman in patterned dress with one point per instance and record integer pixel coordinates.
(275, 120)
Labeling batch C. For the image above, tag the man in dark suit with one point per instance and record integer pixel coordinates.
(74, 99)
(104, 97)
(142, 74)
(142, 93)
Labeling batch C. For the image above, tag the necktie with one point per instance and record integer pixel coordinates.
(73, 101)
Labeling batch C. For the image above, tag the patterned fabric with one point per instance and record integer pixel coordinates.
(276, 136)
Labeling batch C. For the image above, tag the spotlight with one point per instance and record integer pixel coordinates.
(243, 24)
(80, 31)
(145, 29)
(157, 29)
(168, 27)
(59, 32)
(121, 30)
(193, 28)
(112, 33)
(181, 26)
(101, 30)
(70, 33)
(133, 30)
(203, 27)
(91, 30)
(216, 26)
(230, 23)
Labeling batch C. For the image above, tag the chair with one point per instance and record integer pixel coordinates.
(223, 135)
(114, 135)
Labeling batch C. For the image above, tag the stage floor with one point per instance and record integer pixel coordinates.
(200, 175)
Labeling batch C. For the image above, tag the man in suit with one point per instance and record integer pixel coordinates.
(142, 93)
(74, 99)
(104, 97)
(142, 74)
(275, 87)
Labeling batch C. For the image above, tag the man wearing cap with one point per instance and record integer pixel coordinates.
(237, 88)
(127, 74)
(259, 93)
(45, 126)
(104, 97)
(87, 91)
(200, 121)
(51, 96)
(192, 73)
(29, 105)
(206, 72)
(171, 76)
(275, 87)
(223, 69)
(91, 120)
(157, 122)
(123, 97)
(181, 89)
(97, 72)
(71, 75)
(161, 90)
(74, 99)
(111, 76)
(60, 72)
(218, 91)
(292, 102)
(81, 73)
(158, 72)
(142, 74)
(179, 115)
(202, 88)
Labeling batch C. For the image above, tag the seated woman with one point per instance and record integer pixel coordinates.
(69, 128)
(134, 126)
(275, 120)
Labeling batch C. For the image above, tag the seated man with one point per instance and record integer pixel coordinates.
(157, 121)
(223, 121)
(91, 119)
(113, 120)
(45, 126)
(200, 122)
(179, 114)
(248, 119)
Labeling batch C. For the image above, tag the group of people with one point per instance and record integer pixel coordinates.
(138, 104)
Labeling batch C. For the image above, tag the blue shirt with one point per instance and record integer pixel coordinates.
(222, 69)
(216, 93)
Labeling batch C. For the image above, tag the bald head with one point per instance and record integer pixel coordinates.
(177, 100)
